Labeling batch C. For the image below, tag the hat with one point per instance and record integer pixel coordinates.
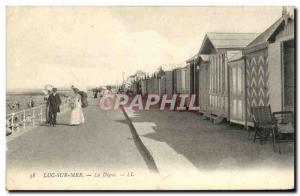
(75, 89)
(48, 87)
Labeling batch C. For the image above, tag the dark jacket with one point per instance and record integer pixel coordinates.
(54, 102)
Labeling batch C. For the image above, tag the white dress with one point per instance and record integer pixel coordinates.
(76, 112)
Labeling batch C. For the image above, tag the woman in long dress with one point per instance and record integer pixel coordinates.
(47, 106)
(77, 117)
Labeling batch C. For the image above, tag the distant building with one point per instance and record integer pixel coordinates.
(131, 83)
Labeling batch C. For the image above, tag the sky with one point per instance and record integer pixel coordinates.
(92, 46)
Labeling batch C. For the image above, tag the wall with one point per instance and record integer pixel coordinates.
(169, 82)
(218, 83)
(275, 78)
(204, 86)
(187, 79)
(236, 86)
(144, 87)
(257, 76)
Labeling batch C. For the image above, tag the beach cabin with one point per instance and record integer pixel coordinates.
(162, 85)
(169, 82)
(219, 47)
(154, 85)
(166, 83)
(237, 89)
(264, 73)
(193, 73)
(187, 73)
(181, 81)
(144, 86)
(270, 67)
(149, 86)
(203, 83)
(176, 81)
(135, 87)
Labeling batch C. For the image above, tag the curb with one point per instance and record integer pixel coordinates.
(147, 155)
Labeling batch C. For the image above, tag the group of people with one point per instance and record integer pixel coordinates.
(30, 104)
(101, 91)
(16, 104)
(13, 105)
(53, 107)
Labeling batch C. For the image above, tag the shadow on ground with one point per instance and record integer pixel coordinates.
(210, 146)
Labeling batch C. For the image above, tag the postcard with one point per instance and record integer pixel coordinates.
(150, 98)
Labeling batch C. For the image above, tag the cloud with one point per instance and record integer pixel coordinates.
(94, 45)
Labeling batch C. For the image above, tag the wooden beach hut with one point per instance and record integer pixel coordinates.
(270, 67)
(203, 83)
(135, 86)
(176, 81)
(237, 89)
(144, 86)
(193, 73)
(219, 47)
(156, 85)
(181, 80)
(162, 85)
(263, 74)
(169, 82)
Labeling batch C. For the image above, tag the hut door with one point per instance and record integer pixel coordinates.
(288, 77)
(196, 86)
(275, 76)
(236, 93)
(192, 88)
(204, 87)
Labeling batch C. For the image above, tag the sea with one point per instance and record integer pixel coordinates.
(24, 97)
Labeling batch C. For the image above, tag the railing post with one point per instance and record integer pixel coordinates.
(33, 117)
(12, 122)
(24, 119)
(41, 114)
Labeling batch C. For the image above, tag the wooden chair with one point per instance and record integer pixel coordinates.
(265, 124)
(279, 126)
(285, 127)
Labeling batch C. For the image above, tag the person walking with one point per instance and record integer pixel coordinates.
(53, 103)
(77, 117)
(46, 98)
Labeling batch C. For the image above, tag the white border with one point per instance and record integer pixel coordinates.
(152, 2)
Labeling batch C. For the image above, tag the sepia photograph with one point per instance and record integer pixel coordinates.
(150, 98)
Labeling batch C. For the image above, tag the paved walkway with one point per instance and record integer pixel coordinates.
(189, 152)
(184, 144)
(104, 141)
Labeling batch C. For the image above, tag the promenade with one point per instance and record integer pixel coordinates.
(104, 141)
(176, 145)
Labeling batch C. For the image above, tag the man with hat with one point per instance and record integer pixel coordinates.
(53, 103)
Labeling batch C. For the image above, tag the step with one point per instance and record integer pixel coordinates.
(219, 119)
(216, 119)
